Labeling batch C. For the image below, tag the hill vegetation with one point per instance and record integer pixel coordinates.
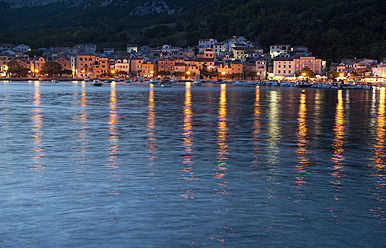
(331, 29)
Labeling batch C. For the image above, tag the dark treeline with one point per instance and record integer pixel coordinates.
(331, 29)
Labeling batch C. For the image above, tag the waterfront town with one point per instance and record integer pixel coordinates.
(232, 59)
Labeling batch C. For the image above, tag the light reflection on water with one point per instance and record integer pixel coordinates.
(144, 166)
(37, 133)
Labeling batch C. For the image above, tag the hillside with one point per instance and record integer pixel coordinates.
(331, 29)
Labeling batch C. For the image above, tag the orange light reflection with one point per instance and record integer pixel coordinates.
(221, 140)
(379, 156)
(150, 125)
(337, 146)
(37, 120)
(302, 141)
(113, 139)
(256, 129)
(187, 132)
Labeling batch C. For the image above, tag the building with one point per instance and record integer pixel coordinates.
(166, 65)
(206, 43)
(4, 65)
(122, 65)
(65, 63)
(208, 54)
(276, 50)
(283, 67)
(4, 47)
(380, 70)
(220, 48)
(82, 66)
(36, 64)
(131, 48)
(101, 67)
(147, 70)
(311, 62)
(21, 48)
(136, 66)
(261, 69)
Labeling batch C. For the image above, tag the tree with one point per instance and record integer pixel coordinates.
(14, 68)
(51, 68)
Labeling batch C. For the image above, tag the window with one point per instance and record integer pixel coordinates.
(278, 71)
(284, 66)
(284, 72)
(289, 66)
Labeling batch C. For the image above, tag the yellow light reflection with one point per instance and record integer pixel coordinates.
(150, 125)
(337, 146)
(186, 170)
(113, 148)
(113, 134)
(37, 120)
(302, 141)
(380, 133)
(379, 156)
(256, 127)
(221, 140)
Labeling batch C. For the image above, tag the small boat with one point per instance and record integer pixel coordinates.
(238, 83)
(127, 81)
(97, 83)
(54, 81)
(86, 80)
(197, 82)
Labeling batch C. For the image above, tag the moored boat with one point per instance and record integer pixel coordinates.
(97, 83)
(197, 82)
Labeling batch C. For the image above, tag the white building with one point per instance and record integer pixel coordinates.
(380, 70)
(207, 43)
(220, 48)
(21, 48)
(123, 65)
(276, 50)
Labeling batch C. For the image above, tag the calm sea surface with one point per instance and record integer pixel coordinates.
(130, 165)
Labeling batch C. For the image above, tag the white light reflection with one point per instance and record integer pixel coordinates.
(37, 120)
(273, 128)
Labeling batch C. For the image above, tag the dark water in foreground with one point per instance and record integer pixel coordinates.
(210, 166)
